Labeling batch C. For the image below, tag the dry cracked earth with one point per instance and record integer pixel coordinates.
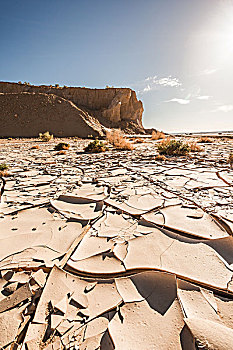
(116, 250)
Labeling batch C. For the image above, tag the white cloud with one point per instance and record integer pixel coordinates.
(152, 83)
(205, 98)
(173, 82)
(225, 108)
(147, 88)
(181, 101)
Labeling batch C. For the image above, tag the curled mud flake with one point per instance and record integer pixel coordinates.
(209, 334)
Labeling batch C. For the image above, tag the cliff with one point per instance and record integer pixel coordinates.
(26, 110)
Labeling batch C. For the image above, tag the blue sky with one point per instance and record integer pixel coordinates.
(177, 54)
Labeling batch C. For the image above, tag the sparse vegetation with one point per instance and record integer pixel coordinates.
(194, 147)
(173, 147)
(160, 158)
(62, 146)
(95, 146)
(230, 160)
(4, 169)
(4, 166)
(116, 138)
(45, 137)
(157, 135)
(205, 140)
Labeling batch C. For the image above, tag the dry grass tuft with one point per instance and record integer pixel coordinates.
(116, 138)
(160, 158)
(194, 147)
(4, 170)
(157, 135)
(230, 160)
(205, 140)
(45, 137)
(61, 153)
(4, 173)
(62, 146)
(173, 147)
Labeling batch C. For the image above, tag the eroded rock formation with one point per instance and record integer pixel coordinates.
(26, 110)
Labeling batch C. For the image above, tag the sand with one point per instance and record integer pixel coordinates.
(115, 250)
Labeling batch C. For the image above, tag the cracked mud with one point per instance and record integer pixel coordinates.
(115, 250)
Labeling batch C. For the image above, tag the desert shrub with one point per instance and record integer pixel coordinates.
(62, 146)
(3, 169)
(35, 147)
(230, 160)
(95, 146)
(116, 138)
(160, 158)
(205, 140)
(157, 135)
(173, 148)
(61, 153)
(45, 137)
(194, 147)
(4, 166)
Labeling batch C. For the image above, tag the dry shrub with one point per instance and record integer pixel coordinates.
(61, 153)
(157, 135)
(4, 170)
(45, 137)
(62, 146)
(96, 146)
(173, 147)
(160, 158)
(4, 166)
(230, 160)
(4, 173)
(205, 140)
(194, 147)
(35, 147)
(116, 138)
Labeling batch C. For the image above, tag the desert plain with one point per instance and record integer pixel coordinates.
(116, 250)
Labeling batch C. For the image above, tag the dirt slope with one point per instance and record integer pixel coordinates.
(26, 114)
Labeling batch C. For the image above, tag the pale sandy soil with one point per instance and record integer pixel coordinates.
(116, 250)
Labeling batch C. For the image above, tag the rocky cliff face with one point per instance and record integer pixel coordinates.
(111, 107)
